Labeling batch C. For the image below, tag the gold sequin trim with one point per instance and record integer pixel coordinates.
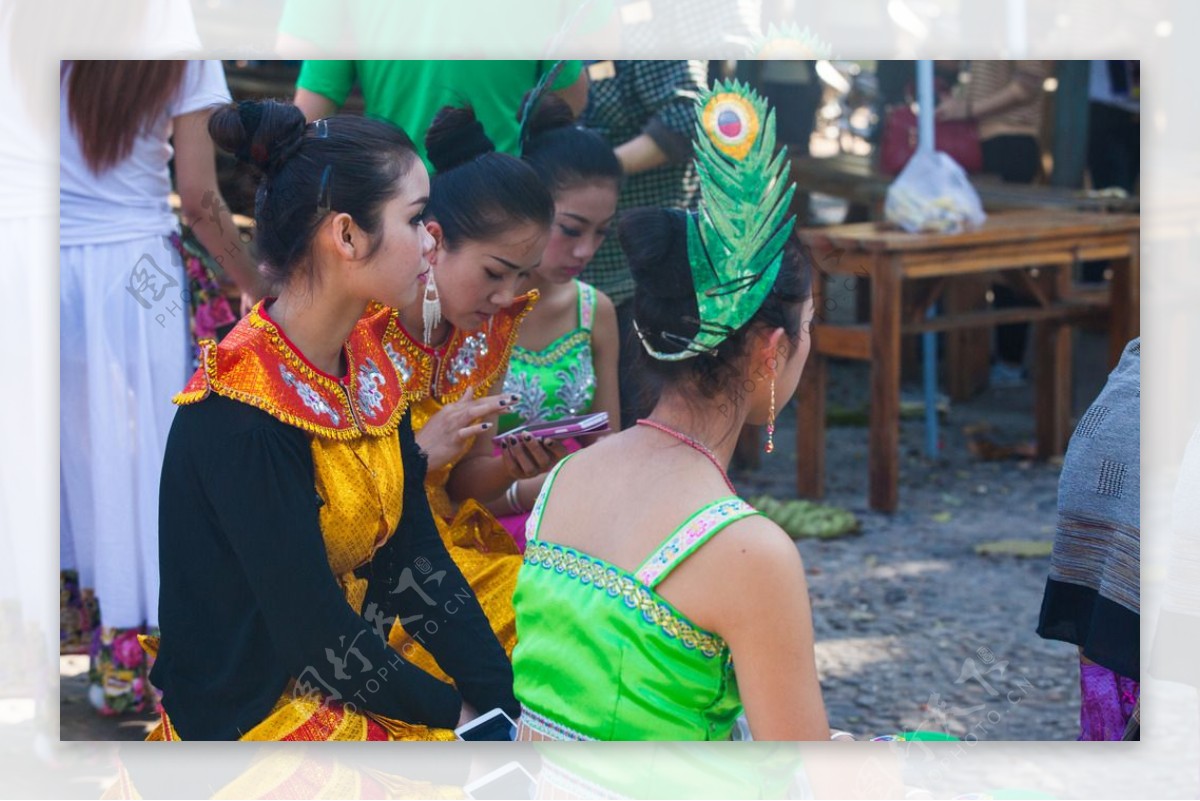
(542, 358)
(635, 595)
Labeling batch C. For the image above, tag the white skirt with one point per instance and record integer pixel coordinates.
(124, 352)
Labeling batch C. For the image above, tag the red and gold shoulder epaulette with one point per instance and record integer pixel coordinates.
(257, 365)
(477, 359)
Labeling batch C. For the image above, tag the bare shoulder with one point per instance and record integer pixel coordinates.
(758, 567)
(754, 548)
(606, 312)
(604, 304)
(762, 566)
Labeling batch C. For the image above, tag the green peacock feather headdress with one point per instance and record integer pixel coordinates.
(736, 238)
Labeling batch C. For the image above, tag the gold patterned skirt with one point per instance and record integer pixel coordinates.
(310, 717)
(489, 560)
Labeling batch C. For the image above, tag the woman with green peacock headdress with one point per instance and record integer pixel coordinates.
(646, 578)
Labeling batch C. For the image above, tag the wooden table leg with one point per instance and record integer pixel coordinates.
(810, 412)
(1052, 387)
(884, 446)
(968, 352)
(810, 429)
(1052, 373)
(1125, 303)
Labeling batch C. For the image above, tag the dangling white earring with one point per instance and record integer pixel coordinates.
(431, 306)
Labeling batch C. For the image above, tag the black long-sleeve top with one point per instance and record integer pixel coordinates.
(249, 601)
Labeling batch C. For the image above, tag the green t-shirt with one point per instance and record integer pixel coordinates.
(410, 93)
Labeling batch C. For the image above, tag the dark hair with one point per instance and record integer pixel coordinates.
(564, 155)
(112, 103)
(665, 308)
(476, 193)
(340, 164)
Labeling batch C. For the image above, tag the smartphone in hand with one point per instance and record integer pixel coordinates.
(560, 429)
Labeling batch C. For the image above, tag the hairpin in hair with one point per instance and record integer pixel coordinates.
(325, 193)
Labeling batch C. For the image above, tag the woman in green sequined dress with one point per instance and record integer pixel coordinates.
(565, 360)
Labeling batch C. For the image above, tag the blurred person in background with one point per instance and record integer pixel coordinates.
(124, 347)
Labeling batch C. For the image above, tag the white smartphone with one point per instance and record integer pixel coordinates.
(507, 781)
(493, 725)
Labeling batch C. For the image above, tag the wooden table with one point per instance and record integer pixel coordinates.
(855, 178)
(930, 265)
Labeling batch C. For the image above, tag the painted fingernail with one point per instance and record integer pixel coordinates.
(486, 426)
(513, 398)
(503, 403)
(529, 437)
(545, 443)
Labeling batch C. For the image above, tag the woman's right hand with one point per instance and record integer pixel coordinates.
(468, 714)
(448, 434)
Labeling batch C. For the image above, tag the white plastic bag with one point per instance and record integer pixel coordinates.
(932, 195)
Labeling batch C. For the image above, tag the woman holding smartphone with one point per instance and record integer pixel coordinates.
(565, 361)
(293, 519)
(489, 215)
(646, 579)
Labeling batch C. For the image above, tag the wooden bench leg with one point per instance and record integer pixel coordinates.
(884, 447)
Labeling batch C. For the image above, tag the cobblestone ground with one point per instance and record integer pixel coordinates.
(914, 629)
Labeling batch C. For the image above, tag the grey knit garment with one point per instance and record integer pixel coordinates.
(1098, 541)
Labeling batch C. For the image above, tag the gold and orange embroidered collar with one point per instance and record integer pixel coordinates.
(477, 359)
(257, 365)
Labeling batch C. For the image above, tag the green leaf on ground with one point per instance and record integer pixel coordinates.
(942, 517)
(807, 520)
(1027, 549)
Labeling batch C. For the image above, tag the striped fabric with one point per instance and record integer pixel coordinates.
(1092, 596)
(990, 77)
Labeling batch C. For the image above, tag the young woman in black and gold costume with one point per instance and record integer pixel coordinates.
(295, 529)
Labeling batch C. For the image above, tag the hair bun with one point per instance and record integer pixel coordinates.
(655, 245)
(664, 300)
(550, 114)
(264, 133)
(455, 137)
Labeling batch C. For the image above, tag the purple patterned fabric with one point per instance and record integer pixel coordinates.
(1107, 701)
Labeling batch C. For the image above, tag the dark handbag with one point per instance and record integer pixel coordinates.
(959, 139)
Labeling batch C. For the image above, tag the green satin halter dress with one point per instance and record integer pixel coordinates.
(602, 656)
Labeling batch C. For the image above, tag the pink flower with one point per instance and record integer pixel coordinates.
(194, 268)
(215, 312)
(127, 651)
